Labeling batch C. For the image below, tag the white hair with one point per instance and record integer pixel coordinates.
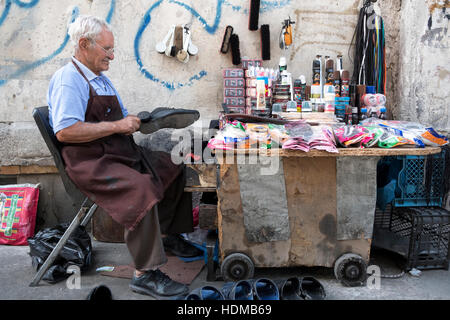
(86, 27)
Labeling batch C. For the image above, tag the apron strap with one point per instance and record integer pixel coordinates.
(91, 89)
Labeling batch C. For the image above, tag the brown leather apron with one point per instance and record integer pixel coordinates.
(121, 177)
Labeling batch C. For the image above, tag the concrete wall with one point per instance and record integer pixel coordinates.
(34, 44)
(424, 68)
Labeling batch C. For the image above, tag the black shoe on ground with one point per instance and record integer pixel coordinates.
(100, 293)
(178, 246)
(166, 118)
(157, 284)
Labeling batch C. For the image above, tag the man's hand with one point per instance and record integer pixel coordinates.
(81, 132)
(128, 125)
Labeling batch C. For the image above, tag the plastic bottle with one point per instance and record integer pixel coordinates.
(354, 105)
(282, 64)
(329, 71)
(383, 113)
(337, 83)
(373, 113)
(363, 115)
(345, 79)
(348, 114)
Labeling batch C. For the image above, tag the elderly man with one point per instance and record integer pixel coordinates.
(101, 157)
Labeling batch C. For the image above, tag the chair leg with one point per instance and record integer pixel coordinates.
(89, 215)
(77, 221)
(211, 270)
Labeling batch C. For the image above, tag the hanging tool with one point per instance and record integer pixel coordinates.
(286, 37)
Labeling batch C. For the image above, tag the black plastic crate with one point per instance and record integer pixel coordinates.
(420, 234)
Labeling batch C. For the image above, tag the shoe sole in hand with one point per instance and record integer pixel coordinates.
(175, 121)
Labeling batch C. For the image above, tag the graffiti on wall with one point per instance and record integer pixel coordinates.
(436, 34)
(209, 27)
(32, 65)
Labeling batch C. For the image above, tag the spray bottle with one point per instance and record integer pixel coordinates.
(337, 83)
(339, 65)
(329, 71)
(317, 84)
(345, 80)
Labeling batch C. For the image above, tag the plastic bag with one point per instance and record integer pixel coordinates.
(18, 207)
(414, 131)
(349, 135)
(231, 136)
(77, 251)
(323, 139)
(384, 138)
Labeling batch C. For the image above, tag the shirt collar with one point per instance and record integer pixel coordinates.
(87, 72)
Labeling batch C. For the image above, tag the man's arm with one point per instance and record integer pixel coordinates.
(85, 132)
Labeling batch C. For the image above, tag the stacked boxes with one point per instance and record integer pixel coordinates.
(341, 104)
(234, 90)
(239, 88)
(249, 66)
(281, 95)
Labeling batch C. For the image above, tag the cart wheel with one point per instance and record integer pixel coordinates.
(351, 270)
(237, 266)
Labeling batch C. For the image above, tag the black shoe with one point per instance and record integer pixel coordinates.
(100, 293)
(166, 118)
(156, 283)
(180, 247)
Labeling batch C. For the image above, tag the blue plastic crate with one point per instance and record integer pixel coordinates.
(411, 181)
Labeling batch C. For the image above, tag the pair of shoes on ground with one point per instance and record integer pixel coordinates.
(294, 288)
(166, 118)
(253, 289)
(301, 288)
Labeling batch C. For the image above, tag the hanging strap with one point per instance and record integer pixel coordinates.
(91, 89)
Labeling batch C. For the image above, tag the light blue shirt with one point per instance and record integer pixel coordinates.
(68, 94)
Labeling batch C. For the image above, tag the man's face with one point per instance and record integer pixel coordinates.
(97, 54)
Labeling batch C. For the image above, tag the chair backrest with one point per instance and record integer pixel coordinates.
(40, 115)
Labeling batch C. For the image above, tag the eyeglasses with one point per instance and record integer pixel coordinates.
(109, 52)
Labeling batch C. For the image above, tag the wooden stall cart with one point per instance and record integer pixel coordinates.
(313, 209)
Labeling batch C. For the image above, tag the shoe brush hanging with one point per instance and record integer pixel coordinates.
(178, 43)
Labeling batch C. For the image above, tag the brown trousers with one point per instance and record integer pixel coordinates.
(172, 215)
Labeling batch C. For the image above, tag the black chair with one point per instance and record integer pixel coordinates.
(87, 207)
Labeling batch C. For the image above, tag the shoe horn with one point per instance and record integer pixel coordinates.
(161, 46)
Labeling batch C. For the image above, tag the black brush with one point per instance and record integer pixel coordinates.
(265, 42)
(253, 15)
(235, 51)
(226, 39)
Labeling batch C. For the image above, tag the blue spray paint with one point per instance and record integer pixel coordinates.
(35, 64)
(210, 29)
(21, 4)
(266, 6)
(111, 11)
